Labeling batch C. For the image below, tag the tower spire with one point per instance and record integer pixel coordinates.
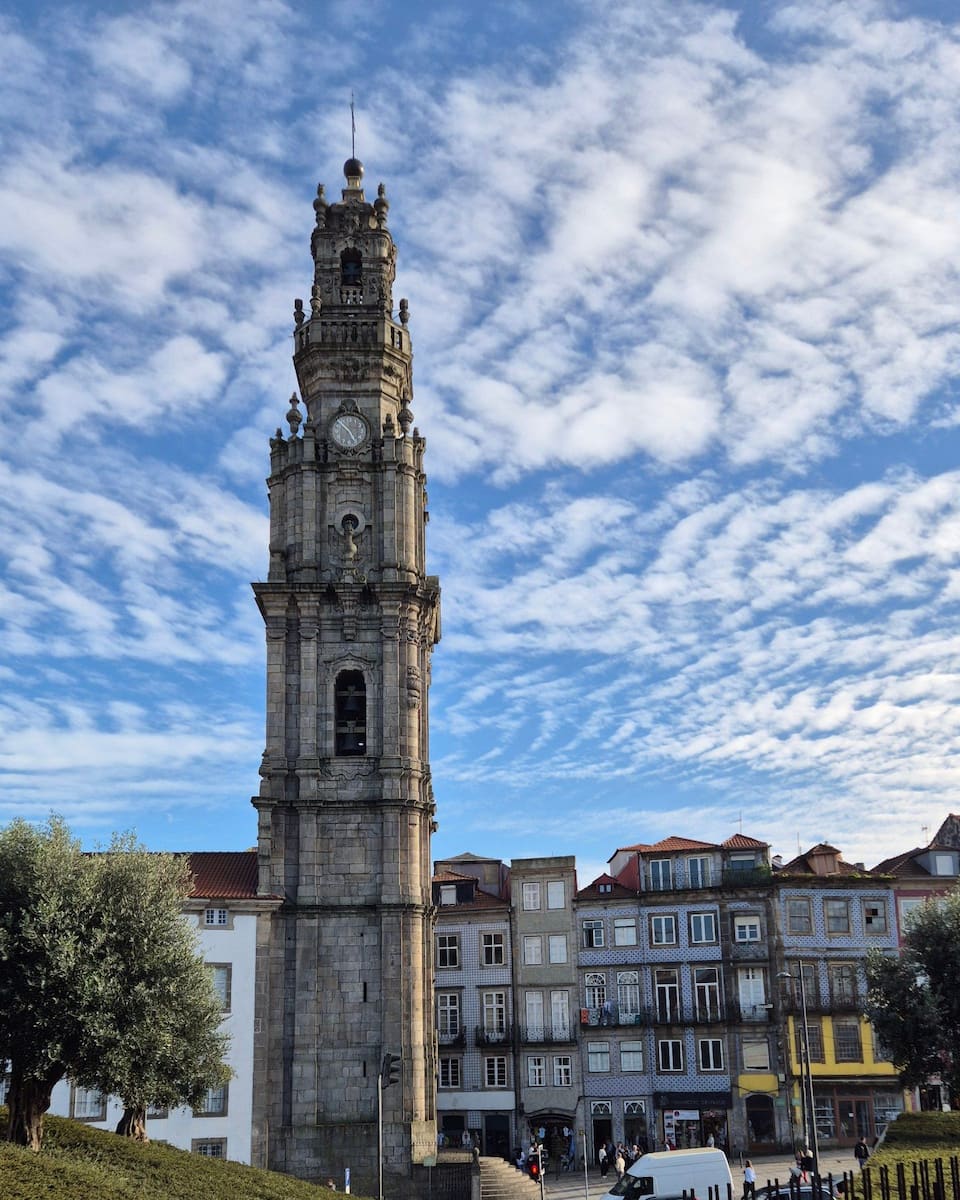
(353, 130)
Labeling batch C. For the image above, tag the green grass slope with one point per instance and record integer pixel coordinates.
(79, 1163)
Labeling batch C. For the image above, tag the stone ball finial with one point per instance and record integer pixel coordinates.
(404, 311)
(294, 416)
(353, 169)
(298, 313)
(320, 205)
(405, 417)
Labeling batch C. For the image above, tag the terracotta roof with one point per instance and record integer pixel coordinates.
(740, 841)
(452, 877)
(903, 864)
(666, 845)
(801, 865)
(224, 874)
(616, 888)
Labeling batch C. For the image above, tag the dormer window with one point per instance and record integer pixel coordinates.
(351, 268)
(660, 875)
(350, 704)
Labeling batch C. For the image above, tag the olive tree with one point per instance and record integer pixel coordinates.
(913, 1001)
(100, 978)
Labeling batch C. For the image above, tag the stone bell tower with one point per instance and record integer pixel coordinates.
(345, 965)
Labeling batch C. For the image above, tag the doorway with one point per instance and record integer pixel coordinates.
(496, 1135)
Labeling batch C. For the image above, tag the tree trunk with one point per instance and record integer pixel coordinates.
(27, 1101)
(133, 1123)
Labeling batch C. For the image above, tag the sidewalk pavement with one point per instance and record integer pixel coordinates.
(570, 1185)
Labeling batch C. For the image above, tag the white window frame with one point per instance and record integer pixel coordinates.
(670, 1056)
(490, 943)
(216, 918)
(495, 1071)
(449, 1014)
(556, 894)
(221, 976)
(209, 1147)
(598, 1057)
(663, 929)
(532, 950)
(452, 941)
(756, 1055)
(836, 901)
(746, 928)
(531, 897)
(876, 922)
(625, 931)
(215, 1102)
(662, 868)
(631, 1056)
(703, 928)
(557, 947)
(450, 1072)
(536, 1070)
(494, 1009)
(593, 934)
(562, 1070)
(710, 1054)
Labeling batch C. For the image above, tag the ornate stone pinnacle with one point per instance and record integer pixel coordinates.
(293, 416)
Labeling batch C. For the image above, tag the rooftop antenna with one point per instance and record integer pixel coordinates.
(741, 820)
(925, 830)
(353, 130)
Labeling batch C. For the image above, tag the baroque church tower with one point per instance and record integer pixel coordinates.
(344, 965)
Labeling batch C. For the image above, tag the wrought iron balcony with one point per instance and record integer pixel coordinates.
(549, 1035)
(452, 1039)
(494, 1037)
(755, 1012)
(614, 1015)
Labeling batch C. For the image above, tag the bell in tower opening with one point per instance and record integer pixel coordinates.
(344, 965)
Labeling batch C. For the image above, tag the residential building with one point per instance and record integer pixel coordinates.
(473, 991)
(547, 1064)
(830, 914)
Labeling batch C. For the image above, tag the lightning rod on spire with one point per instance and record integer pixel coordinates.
(353, 130)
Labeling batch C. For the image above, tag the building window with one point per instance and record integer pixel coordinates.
(531, 897)
(698, 872)
(799, 917)
(846, 1041)
(703, 928)
(220, 977)
(87, 1104)
(943, 864)
(756, 1054)
(710, 1051)
(155, 1112)
(557, 947)
(448, 894)
(667, 991)
(555, 893)
(448, 1014)
(628, 994)
(746, 929)
(216, 918)
(213, 1104)
(706, 992)
(4, 1088)
(448, 949)
(880, 1051)
(495, 1071)
(843, 982)
(598, 1056)
(631, 1056)
(624, 931)
(493, 950)
(836, 915)
(663, 930)
(595, 993)
(449, 1073)
(908, 907)
(532, 949)
(533, 1006)
(562, 1070)
(494, 1012)
(350, 713)
(209, 1147)
(660, 875)
(670, 1054)
(536, 1071)
(592, 934)
(752, 994)
(351, 267)
(874, 917)
(816, 1040)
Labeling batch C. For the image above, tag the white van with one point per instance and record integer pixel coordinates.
(673, 1172)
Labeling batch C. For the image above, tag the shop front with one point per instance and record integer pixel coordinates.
(686, 1120)
(846, 1112)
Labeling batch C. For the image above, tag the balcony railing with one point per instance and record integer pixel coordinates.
(749, 951)
(452, 1039)
(550, 1035)
(614, 1015)
(755, 1012)
(824, 1004)
(494, 1037)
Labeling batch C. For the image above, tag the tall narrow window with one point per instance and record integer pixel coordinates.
(351, 715)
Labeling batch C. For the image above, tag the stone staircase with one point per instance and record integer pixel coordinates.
(500, 1180)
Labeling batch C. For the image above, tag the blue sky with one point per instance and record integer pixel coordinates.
(686, 322)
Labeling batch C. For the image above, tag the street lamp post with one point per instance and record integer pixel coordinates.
(806, 1071)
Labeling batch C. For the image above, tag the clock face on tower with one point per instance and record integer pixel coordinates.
(348, 430)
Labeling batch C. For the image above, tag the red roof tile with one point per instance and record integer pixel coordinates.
(740, 841)
(224, 874)
(615, 889)
(667, 845)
